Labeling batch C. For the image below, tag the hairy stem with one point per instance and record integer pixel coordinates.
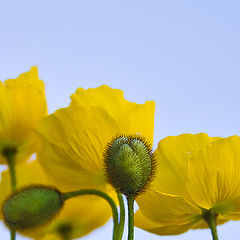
(9, 154)
(122, 216)
(130, 200)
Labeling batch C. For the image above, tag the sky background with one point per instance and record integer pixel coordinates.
(185, 55)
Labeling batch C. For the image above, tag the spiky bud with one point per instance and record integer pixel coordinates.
(129, 164)
(32, 206)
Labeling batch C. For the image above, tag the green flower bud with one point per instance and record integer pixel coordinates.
(129, 164)
(32, 206)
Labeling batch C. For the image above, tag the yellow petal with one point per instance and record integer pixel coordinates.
(171, 156)
(23, 105)
(160, 207)
(170, 228)
(73, 144)
(213, 179)
(82, 214)
(158, 228)
(131, 117)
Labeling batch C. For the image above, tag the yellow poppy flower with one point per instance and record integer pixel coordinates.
(196, 173)
(78, 217)
(74, 138)
(23, 105)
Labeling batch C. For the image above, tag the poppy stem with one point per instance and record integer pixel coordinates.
(210, 217)
(112, 204)
(122, 216)
(12, 234)
(130, 200)
(9, 154)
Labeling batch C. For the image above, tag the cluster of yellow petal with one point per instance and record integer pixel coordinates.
(195, 172)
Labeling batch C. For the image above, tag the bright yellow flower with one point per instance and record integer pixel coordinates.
(195, 173)
(22, 107)
(79, 215)
(74, 138)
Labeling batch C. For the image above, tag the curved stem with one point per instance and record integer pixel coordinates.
(100, 194)
(210, 217)
(130, 200)
(9, 154)
(122, 216)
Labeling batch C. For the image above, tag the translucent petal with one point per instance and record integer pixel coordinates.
(160, 228)
(74, 140)
(160, 207)
(214, 176)
(172, 155)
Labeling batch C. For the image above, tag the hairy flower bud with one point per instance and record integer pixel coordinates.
(129, 164)
(32, 206)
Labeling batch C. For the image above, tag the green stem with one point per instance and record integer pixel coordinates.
(130, 200)
(122, 216)
(210, 217)
(12, 234)
(100, 194)
(10, 153)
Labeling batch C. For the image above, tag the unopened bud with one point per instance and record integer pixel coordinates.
(32, 206)
(129, 164)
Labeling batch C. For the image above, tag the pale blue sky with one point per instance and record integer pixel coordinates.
(184, 54)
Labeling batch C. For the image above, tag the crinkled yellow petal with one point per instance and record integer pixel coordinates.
(162, 208)
(213, 179)
(171, 156)
(73, 144)
(81, 214)
(131, 117)
(160, 228)
(23, 106)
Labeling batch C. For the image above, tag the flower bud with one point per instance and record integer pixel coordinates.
(129, 164)
(32, 206)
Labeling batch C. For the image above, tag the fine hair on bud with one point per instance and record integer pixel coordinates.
(32, 206)
(129, 164)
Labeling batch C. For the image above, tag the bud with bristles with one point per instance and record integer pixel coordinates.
(129, 164)
(32, 206)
